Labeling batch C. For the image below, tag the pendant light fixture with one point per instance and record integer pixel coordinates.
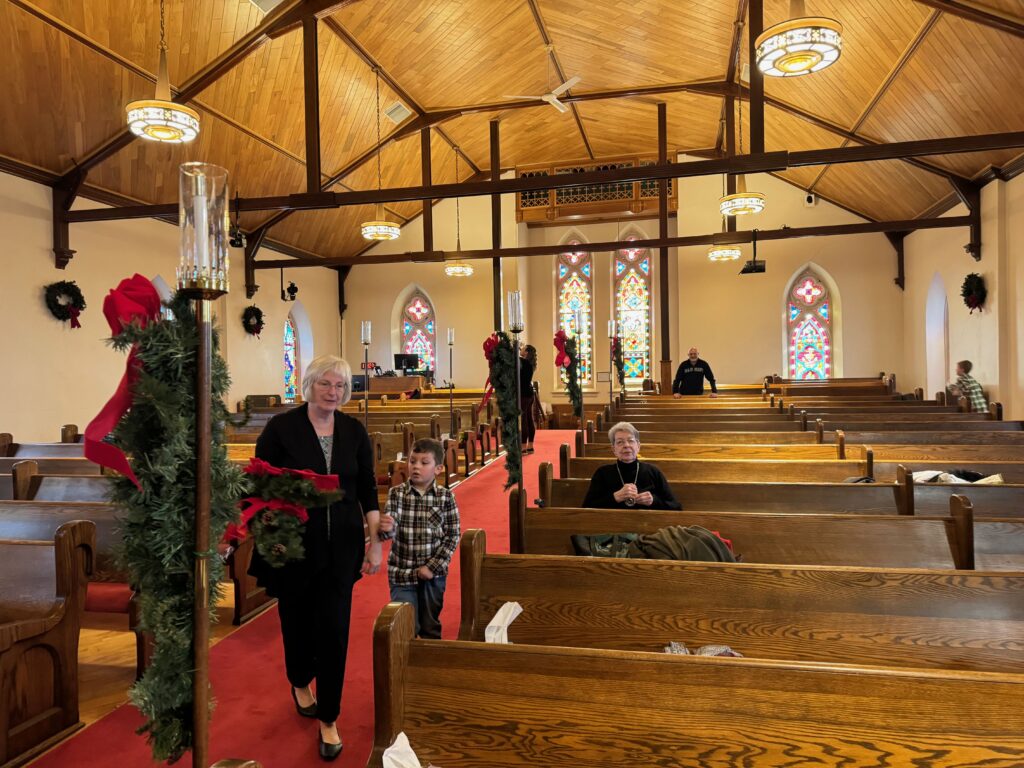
(458, 268)
(724, 252)
(800, 46)
(160, 119)
(741, 202)
(381, 228)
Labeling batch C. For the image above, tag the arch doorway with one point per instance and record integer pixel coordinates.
(936, 332)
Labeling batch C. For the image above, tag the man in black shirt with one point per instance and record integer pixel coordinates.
(628, 483)
(690, 376)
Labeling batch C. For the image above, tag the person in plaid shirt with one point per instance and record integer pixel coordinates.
(968, 386)
(423, 519)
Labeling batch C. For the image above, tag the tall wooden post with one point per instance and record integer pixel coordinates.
(663, 285)
(426, 175)
(496, 223)
(755, 27)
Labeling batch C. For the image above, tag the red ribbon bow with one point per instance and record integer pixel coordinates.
(257, 505)
(490, 344)
(562, 358)
(321, 482)
(73, 311)
(135, 300)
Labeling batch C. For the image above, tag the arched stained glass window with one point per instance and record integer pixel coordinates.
(419, 336)
(291, 361)
(809, 327)
(575, 286)
(632, 298)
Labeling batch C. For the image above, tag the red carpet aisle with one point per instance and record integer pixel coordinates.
(255, 717)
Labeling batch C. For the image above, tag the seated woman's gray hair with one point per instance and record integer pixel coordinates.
(327, 364)
(623, 426)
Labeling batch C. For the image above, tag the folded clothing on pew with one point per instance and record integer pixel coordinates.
(957, 477)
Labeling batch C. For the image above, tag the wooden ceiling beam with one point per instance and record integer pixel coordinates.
(762, 163)
(535, 10)
(894, 72)
(755, 26)
(311, 99)
(979, 14)
(715, 238)
(731, 74)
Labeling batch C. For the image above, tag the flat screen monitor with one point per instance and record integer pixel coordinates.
(407, 362)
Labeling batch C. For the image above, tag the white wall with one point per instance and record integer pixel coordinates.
(991, 338)
(60, 376)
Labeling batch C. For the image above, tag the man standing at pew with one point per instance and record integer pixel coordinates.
(690, 376)
(628, 482)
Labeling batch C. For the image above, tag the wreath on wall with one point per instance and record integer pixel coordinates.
(974, 291)
(252, 320)
(65, 301)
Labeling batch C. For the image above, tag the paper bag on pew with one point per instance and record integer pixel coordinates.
(497, 630)
(400, 754)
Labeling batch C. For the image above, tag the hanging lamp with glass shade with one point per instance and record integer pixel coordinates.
(799, 46)
(727, 252)
(381, 227)
(458, 268)
(159, 118)
(741, 202)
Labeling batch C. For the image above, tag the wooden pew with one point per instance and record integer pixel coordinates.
(997, 543)
(806, 613)
(861, 498)
(31, 484)
(798, 538)
(933, 498)
(42, 595)
(465, 704)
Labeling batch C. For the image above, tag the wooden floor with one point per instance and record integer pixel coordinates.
(106, 658)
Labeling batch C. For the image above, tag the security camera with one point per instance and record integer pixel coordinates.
(289, 293)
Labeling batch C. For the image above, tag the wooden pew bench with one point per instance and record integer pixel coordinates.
(805, 613)
(42, 596)
(798, 538)
(465, 704)
(861, 498)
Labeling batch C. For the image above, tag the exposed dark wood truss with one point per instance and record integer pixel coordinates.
(974, 12)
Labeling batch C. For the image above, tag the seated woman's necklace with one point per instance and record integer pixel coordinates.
(630, 501)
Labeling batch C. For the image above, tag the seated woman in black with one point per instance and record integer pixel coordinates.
(628, 483)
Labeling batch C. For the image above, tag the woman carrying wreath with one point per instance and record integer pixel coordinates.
(315, 593)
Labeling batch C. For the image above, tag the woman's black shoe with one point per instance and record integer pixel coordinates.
(309, 711)
(328, 751)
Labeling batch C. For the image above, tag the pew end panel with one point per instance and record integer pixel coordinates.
(42, 597)
(472, 549)
(250, 599)
(393, 632)
(517, 521)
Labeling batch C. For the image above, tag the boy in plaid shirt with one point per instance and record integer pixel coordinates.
(968, 386)
(423, 519)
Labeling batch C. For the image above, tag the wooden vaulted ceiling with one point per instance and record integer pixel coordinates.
(910, 70)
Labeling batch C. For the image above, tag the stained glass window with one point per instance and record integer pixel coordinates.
(291, 361)
(419, 335)
(633, 310)
(809, 328)
(575, 286)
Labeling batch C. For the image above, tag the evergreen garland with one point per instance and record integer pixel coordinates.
(572, 379)
(501, 359)
(157, 523)
(620, 363)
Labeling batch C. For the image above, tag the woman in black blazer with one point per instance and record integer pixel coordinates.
(315, 594)
(527, 367)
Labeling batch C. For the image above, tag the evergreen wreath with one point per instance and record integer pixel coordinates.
(569, 359)
(275, 512)
(619, 362)
(65, 301)
(501, 361)
(974, 291)
(156, 525)
(252, 320)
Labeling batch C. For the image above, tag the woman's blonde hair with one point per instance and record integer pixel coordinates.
(327, 364)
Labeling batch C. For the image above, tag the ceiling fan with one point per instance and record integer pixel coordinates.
(552, 96)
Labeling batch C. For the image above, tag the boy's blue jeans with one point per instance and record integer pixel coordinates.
(427, 600)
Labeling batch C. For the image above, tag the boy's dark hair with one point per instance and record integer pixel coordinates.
(429, 445)
(966, 365)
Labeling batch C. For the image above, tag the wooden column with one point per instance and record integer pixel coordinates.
(496, 222)
(663, 286)
(897, 238)
(342, 276)
(755, 28)
(730, 151)
(426, 173)
(311, 90)
(65, 190)
(252, 245)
